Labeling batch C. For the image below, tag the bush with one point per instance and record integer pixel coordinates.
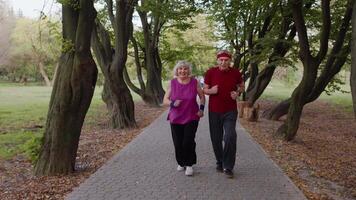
(31, 147)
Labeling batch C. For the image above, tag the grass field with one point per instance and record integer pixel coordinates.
(23, 111)
(278, 91)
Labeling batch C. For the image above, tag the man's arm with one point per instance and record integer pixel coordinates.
(213, 90)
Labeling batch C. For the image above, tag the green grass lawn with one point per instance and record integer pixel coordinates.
(278, 91)
(23, 108)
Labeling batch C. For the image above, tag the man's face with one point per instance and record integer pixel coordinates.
(224, 62)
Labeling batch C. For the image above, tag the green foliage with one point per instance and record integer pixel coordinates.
(12, 143)
(32, 147)
(33, 42)
(175, 12)
(194, 45)
(74, 4)
(67, 46)
(335, 85)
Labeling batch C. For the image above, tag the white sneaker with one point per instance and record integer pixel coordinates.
(180, 168)
(189, 171)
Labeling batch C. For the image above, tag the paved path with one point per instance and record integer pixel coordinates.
(146, 169)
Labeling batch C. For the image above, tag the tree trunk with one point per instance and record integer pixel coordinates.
(310, 65)
(259, 82)
(72, 92)
(123, 109)
(259, 85)
(278, 111)
(55, 73)
(353, 59)
(333, 65)
(153, 93)
(44, 74)
(112, 62)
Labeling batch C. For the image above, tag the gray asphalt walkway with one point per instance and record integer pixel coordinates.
(146, 169)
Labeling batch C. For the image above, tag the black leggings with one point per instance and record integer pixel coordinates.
(184, 142)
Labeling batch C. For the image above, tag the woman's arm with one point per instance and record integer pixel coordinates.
(167, 95)
(201, 94)
(202, 101)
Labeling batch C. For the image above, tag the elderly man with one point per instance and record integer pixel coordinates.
(223, 84)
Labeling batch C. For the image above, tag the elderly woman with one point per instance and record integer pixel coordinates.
(184, 114)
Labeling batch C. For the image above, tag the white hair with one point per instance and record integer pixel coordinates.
(182, 63)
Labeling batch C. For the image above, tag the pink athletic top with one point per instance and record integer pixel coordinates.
(188, 108)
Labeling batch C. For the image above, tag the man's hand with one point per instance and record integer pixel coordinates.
(214, 89)
(234, 95)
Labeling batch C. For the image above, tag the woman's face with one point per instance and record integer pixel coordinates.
(183, 71)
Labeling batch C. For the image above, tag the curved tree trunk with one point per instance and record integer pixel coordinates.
(44, 74)
(116, 94)
(302, 94)
(259, 84)
(153, 93)
(289, 129)
(72, 93)
(278, 111)
(332, 67)
(103, 51)
(123, 109)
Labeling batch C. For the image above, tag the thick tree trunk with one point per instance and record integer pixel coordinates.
(353, 58)
(333, 65)
(116, 94)
(278, 111)
(153, 93)
(123, 109)
(259, 85)
(106, 96)
(71, 95)
(310, 64)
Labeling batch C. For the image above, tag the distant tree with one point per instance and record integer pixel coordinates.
(7, 23)
(72, 91)
(35, 48)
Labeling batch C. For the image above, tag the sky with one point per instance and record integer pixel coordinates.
(32, 8)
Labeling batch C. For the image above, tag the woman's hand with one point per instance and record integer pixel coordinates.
(200, 113)
(176, 103)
